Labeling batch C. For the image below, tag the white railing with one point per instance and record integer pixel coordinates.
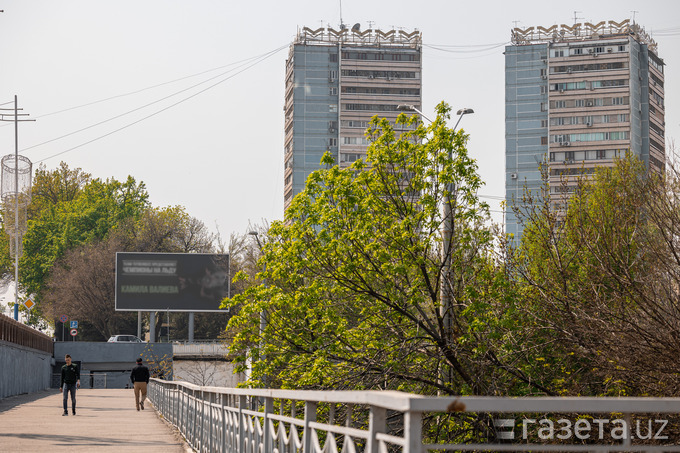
(200, 349)
(217, 419)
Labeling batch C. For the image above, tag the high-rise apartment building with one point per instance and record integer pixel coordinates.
(576, 97)
(336, 81)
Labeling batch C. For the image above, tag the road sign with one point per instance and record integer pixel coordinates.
(63, 318)
(28, 303)
(74, 324)
(74, 332)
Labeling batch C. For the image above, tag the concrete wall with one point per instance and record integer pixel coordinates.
(114, 361)
(23, 370)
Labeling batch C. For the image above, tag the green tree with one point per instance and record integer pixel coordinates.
(603, 279)
(84, 212)
(50, 188)
(353, 276)
(82, 282)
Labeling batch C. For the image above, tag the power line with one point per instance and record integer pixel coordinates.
(246, 60)
(136, 109)
(161, 110)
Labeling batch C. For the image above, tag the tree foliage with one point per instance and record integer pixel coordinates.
(82, 282)
(603, 280)
(352, 278)
(81, 215)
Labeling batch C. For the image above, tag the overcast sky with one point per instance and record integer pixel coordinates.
(179, 94)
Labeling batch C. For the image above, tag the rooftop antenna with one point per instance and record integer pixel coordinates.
(634, 15)
(342, 24)
(515, 22)
(370, 24)
(576, 18)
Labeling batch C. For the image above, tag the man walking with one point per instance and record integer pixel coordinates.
(70, 381)
(140, 378)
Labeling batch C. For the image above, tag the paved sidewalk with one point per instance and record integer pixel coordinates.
(106, 421)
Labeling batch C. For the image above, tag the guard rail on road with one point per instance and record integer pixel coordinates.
(193, 349)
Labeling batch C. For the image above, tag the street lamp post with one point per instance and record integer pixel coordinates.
(263, 313)
(446, 278)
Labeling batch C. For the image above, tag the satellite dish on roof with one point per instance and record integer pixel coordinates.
(356, 27)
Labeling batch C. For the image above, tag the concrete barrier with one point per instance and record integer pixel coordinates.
(114, 360)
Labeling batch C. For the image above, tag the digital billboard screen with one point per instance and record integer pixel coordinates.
(171, 281)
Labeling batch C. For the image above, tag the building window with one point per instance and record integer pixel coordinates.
(355, 141)
(349, 157)
(333, 108)
(577, 51)
(333, 75)
(580, 103)
(569, 86)
(544, 123)
(333, 58)
(371, 107)
(332, 142)
(544, 140)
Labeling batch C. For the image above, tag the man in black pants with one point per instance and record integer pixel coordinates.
(140, 379)
(70, 381)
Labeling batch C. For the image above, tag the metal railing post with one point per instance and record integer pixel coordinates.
(377, 423)
(413, 431)
(223, 425)
(242, 401)
(211, 423)
(266, 438)
(310, 416)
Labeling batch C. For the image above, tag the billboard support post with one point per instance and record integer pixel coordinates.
(152, 327)
(191, 326)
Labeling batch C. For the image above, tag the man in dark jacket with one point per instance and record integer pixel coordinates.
(70, 380)
(140, 378)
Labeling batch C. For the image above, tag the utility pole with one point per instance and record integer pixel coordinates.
(11, 191)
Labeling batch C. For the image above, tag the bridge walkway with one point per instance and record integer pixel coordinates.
(106, 421)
